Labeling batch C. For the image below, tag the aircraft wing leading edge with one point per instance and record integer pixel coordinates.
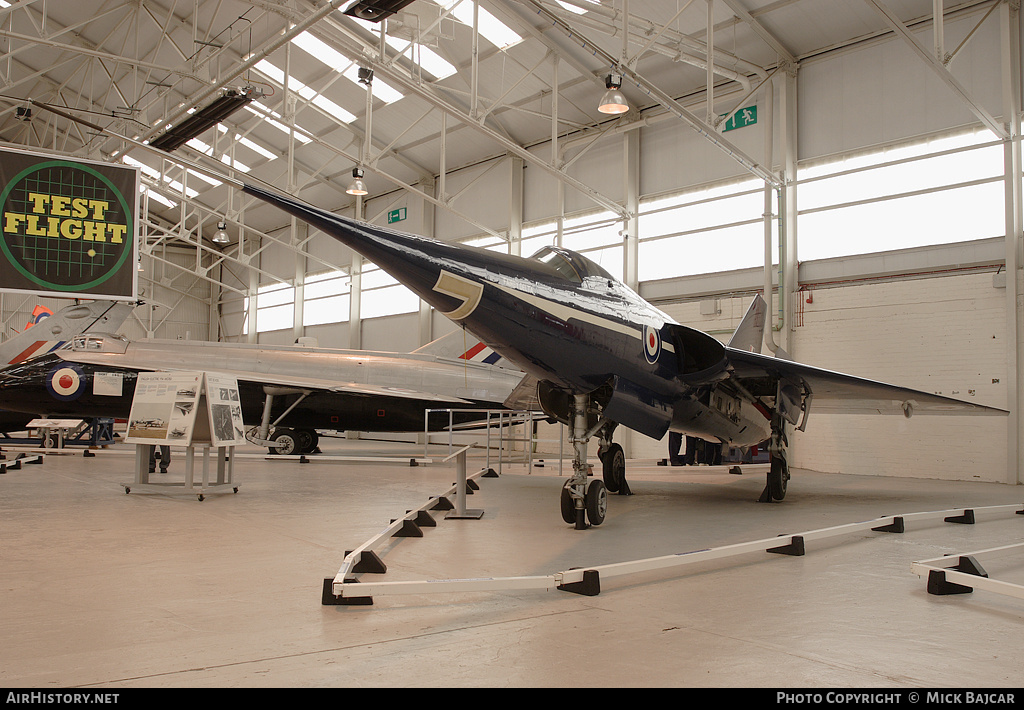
(839, 393)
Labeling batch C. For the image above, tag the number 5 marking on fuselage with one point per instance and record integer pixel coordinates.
(467, 291)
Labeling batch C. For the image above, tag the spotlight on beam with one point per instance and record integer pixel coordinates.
(374, 10)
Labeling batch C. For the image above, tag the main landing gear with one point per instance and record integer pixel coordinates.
(283, 441)
(584, 499)
(778, 473)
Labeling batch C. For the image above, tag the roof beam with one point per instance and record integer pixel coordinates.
(943, 73)
(673, 106)
(768, 38)
(413, 86)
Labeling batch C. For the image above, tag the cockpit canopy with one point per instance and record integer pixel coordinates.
(98, 343)
(569, 264)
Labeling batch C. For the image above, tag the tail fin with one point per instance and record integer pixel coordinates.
(750, 333)
(38, 313)
(462, 345)
(52, 331)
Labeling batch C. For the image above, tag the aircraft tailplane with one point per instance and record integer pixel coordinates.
(461, 345)
(750, 333)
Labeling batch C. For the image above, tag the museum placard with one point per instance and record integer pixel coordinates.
(186, 408)
(69, 226)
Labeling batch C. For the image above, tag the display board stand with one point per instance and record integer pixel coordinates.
(190, 410)
(224, 482)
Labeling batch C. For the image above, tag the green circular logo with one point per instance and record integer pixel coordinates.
(65, 226)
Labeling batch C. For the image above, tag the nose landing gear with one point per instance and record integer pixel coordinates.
(584, 500)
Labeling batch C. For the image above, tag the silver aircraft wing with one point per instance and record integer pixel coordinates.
(276, 379)
(838, 393)
(313, 383)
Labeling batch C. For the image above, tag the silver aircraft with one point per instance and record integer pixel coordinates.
(287, 393)
(598, 355)
(50, 331)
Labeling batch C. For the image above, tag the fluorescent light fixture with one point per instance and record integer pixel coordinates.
(202, 120)
(374, 10)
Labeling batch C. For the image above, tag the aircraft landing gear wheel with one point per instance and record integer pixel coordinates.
(306, 440)
(597, 502)
(778, 477)
(614, 468)
(285, 442)
(568, 505)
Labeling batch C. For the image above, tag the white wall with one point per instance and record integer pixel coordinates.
(943, 335)
(881, 91)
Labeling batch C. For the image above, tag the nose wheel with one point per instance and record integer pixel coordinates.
(584, 500)
(588, 508)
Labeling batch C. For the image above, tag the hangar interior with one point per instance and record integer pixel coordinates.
(867, 152)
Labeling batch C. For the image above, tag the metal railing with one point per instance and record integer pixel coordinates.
(499, 425)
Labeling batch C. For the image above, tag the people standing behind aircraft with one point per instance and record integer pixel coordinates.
(165, 458)
(712, 453)
(675, 443)
(675, 440)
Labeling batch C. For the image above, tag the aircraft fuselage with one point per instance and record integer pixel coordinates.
(71, 383)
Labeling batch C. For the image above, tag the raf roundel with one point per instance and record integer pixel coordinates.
(65, 382)
(652, 344)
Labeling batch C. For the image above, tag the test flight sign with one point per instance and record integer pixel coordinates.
(69, 226)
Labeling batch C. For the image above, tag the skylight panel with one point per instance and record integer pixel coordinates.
(234, 163)
(275, 74)
(427, 58)
(574, 9)
(155, 175)
(153, 195)
(384, 92)
(336, 60)
(268, 117)
(491, 28)
(250, 144)
(197, 144)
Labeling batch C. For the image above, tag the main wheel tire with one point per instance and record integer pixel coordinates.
(568, 505)
(597, 502)
(285, 442)
(305, 440)
(778, 478)
(614, 468)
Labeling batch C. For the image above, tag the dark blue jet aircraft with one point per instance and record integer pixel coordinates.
(601, 356)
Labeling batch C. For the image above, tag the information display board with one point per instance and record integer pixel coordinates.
(186, 408)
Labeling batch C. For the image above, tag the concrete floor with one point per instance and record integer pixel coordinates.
(103, 589)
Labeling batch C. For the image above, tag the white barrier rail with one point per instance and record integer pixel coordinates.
(961, 574)
(344, 590)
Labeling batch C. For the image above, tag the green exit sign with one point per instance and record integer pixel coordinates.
(396, 215)
(742, 118)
